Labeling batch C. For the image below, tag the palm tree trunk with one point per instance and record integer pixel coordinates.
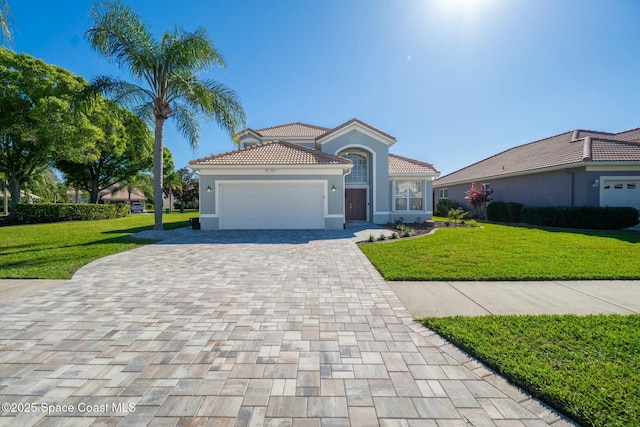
(157, 174)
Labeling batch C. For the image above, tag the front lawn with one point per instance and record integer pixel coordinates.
(501, 252)
(587, 367)
(57, 250)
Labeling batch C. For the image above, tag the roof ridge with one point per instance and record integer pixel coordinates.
(361, 122)
(291, 124)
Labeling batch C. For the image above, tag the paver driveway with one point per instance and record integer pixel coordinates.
(239, 329)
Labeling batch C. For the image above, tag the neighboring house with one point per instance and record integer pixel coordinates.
(121, 196)
(578, 168)
(299, 176)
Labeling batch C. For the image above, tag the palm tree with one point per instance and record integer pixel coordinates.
(167, 72)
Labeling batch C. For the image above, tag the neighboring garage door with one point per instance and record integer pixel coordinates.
(621, 192)
(271, 205)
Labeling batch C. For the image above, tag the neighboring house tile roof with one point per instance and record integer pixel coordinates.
(272, 153)
(569, 148)
(399, 165)
(292, 130)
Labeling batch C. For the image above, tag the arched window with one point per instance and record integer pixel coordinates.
(359, 174)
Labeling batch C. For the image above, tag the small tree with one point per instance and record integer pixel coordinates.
(479, 197)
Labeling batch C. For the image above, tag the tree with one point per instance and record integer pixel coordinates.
(189, 190)
(122, 149)
(5, 22)
(167, 79)
(41, 119)
(479, 197)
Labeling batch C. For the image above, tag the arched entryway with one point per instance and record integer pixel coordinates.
(357, 185)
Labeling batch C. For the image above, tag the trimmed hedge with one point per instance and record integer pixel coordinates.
(504, 211)
(590, 217)
(50, 212)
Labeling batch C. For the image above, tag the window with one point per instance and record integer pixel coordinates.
(618, 186)
(631, 186)
(443, 193)
(408, 195)
(359, 172)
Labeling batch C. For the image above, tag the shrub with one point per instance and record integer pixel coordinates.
(49, 212)
(479, 197)
(394, 235)
(382, 236)
(504, 212)
(372, 238)
(456, 215)
(591, 217)
(445, 205)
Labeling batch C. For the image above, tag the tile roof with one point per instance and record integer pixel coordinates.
(555, 151)
(278, 153)
(399, 165)
(292, 130)
(360, 122)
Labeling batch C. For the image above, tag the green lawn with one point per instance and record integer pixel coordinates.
(57, 250)
(501, 252)
(588, 367)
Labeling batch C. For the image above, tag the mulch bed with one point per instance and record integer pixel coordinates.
(426, 227)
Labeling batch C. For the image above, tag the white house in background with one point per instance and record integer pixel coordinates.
(301, 176)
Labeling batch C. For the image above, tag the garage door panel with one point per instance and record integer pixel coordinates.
(621, 192)
(272, 205)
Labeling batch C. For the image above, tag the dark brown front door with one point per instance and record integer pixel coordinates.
(355, 204)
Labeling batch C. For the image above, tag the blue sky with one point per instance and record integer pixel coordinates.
(454, 80)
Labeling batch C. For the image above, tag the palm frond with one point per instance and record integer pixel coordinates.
(187, 123)
(189, 52)
(211, 100)
(122, 92)
(120, 35)
(5, 22)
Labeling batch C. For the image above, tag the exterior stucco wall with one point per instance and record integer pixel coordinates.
(570, 187)
(209, 210)
(380, 197)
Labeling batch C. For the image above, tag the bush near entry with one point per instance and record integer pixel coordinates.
(50, 212)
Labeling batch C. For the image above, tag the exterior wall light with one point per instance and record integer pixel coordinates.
(333, 189)
(596, 183)
(208, 189)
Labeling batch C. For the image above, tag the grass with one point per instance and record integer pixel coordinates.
(500, 252)
(587, 367)
(57, 250)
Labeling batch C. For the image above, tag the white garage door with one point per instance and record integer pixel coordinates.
(621, 192)
(271, 205)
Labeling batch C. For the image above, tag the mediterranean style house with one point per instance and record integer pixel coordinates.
(300, 176)
(576, 168)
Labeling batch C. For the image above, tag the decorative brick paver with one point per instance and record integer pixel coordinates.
(280, 328)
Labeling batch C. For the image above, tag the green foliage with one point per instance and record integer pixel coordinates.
(588, 367)
(41, 118)
(499, 252)
(444, 206)
(382, 236)
(394, 235)
(372, 238)
(122, 149)
(57, 250)
(589, 217)
(456, 215)
(45, 212)
(505, 212)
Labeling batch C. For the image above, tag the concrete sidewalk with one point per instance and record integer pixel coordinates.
(441, 299)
